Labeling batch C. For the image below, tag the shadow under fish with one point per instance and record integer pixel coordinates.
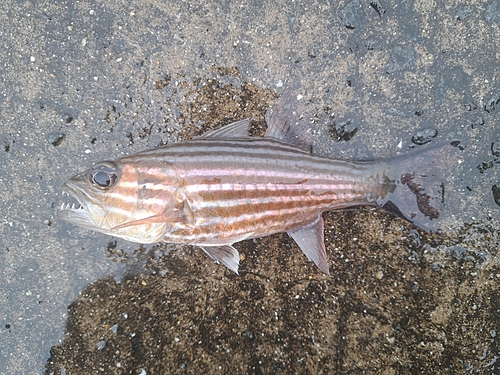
(225, 187)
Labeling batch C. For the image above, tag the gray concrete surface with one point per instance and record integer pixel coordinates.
(91, 80)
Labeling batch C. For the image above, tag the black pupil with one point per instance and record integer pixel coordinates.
(102, 179)
(103, 176)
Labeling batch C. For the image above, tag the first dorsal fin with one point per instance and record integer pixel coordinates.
(238, 129)
(311, 240)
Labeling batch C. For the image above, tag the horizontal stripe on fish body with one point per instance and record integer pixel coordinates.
(255, 186)
(222, 214)
(195, 161)
(248, 152)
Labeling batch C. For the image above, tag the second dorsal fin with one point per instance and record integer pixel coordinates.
(286, 122)
(238, 129)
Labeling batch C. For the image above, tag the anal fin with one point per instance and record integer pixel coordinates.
(311, 241)
(225, 254)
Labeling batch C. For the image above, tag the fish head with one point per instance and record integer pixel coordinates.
(117, 198)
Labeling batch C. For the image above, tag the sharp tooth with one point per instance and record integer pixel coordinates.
(62, 206)
(73, 206)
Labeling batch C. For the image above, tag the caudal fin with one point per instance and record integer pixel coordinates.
(419, 195)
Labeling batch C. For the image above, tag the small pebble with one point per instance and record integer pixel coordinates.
(424, 136)
(56, 138)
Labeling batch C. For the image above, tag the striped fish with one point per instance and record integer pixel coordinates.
(225, 187)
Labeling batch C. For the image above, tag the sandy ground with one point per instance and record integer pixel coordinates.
(92, 80)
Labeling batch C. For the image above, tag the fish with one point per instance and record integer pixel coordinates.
(226, 186)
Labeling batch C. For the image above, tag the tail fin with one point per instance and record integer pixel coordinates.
(419, 195)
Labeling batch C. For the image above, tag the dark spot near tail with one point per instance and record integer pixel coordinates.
(423, 199)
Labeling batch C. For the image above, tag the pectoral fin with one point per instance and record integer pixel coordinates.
(311, 240)
(176, 211)
(225, 254)
(164, 217)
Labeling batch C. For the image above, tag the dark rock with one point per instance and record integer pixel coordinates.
(424, 136)
(463, 12)
(343, 131)
(248, 334)
(492, 103)
(375, 4)
(56, 138)
(415, 236)
(469, 106)
(436, 266)
(476, 122)
(402, 58)
(352, 15)
(485, 165)
(458, 252)
(492, 12)
(496, 194)
(495, 148)
(370, 44)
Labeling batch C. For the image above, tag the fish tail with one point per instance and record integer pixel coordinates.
(419, 193)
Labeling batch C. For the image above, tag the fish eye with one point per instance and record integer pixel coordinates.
(103, 176)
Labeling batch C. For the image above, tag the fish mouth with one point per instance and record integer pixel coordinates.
(71, 206)
(76, 212)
